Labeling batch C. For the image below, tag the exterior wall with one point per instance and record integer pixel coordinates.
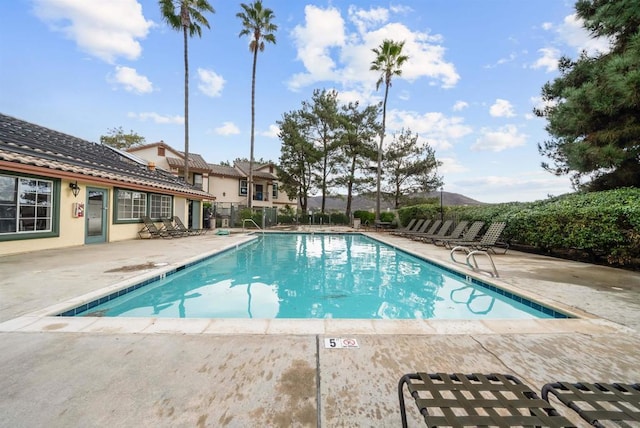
(150, 154)
(226, 189)
(72, 229)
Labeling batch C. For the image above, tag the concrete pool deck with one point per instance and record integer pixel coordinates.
(255, 373)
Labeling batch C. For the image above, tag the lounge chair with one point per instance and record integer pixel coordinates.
(150, 230)
(406, 228)
(189, 231)
(416, 225)
(441, 232)
(488, 242)
(420, 229)
(171, 229)
(455, 234)
(600, 404)
(459, 400)
(469, 235)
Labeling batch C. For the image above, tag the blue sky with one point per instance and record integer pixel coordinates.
(474, 75)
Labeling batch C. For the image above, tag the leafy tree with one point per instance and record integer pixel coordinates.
(388, 62)
(188, 16)
(593, 108)
(297, 159)
(358, 127)
(409, 167)
(117, 138)
(256, 22)
(320, 118)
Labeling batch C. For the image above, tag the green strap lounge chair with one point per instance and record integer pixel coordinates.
(464, 400)
(150, 230)
(488, 242)
(469, 235)
(455, 234)
(171, 229)
(189, 231)
(415, 227)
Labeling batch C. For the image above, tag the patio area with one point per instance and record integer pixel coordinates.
(277, 373)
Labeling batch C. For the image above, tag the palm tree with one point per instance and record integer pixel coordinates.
(256, 23)
(388, 62)
(188, 16)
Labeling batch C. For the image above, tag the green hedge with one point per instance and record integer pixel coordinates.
(605, 225)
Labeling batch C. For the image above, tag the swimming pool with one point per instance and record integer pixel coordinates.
(315, 276)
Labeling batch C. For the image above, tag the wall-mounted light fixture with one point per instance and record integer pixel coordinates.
(75, 189)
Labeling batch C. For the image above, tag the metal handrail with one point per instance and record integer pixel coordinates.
(254, 223)
(471, 255)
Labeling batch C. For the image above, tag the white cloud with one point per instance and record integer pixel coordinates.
(450, 165)
(210, 83)
(548, 59)
(227, 128)
(272, 132)
(331, 49)
(503, 138)
(131, 81)
(323, 29)
(435, 128)
(157, 118)
(501, 108)
(365, 19)
(104, 29)
(527, 186)
(460, 105)
(572, 32)
(512, 56)
(539, 104)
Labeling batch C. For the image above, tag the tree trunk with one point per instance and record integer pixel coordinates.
(384, 118)
(186, 106)
(253, 124)
(350, 187)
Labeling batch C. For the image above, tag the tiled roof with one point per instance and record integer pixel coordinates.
(244, 167)
(224, 171)
(195, 162)
(29, 144)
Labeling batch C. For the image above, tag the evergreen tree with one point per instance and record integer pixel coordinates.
(593, 108)
(320, 118)
(409, 167)
(117, 138)
(297, 160)
(358, 128)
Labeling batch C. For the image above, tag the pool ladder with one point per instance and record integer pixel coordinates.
(250, 220)
(471, 256)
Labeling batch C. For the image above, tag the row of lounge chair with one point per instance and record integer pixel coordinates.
(463, 235)
(171, 228)
(457, 400)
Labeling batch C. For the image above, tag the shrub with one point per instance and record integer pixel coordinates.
(604, 225)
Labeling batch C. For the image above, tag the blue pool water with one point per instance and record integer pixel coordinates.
(317, 276)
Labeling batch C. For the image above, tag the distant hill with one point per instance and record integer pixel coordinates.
(339, 203)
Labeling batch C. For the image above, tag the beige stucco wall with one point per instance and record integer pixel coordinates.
(150, 154)
(72, 229)
(225, 189)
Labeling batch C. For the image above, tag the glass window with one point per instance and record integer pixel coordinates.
(26, 205)
(274, 193)
(160, 206)
(131, 205)
(243, 187)
(197, 181)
